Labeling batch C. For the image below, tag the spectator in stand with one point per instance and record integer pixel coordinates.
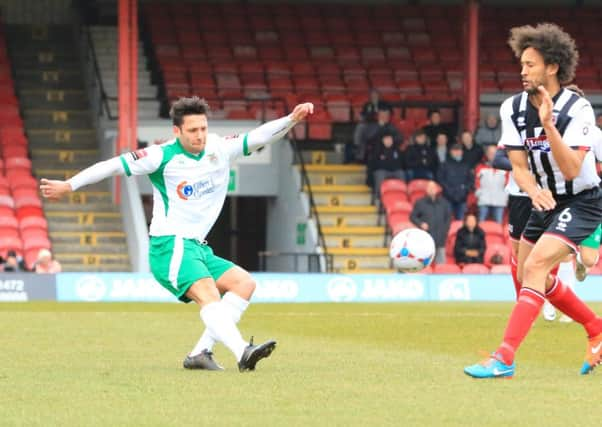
(435, 127)
(386, 162)
(421, 160)
(473, 154)
(470, 242)
(370, 108)
(490, 188)
(441, 149)
(456, 178)
(490, 132)
(367, 135)
(13, 263)
(432, 214)
(45, 263)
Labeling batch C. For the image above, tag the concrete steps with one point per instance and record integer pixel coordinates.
(86, 229)
(347, 214)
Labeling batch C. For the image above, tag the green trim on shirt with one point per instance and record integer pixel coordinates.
(188, 154)
(157, 178)
(126, 168)
(245, 145)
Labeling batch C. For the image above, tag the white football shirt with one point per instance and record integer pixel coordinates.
(188, 190)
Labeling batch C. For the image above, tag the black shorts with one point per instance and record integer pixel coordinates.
(519, 211)
(572, 221)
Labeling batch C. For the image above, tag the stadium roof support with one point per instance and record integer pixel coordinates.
(128, 75)
(471, 66)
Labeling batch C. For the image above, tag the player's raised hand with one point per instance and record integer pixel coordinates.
(54, 189)
(301, 111)
(546, 107)
(543, 200)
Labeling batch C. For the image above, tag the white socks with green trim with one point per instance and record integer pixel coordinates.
(235, 306)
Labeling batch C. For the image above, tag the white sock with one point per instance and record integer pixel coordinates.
(222, 328)
(236, 307)
(566, 273)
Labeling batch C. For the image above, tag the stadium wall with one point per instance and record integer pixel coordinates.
(289, 228)
(277, 288)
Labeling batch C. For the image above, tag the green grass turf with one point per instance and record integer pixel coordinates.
(337, 365)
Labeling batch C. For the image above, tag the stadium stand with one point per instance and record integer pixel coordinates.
(86, 230)
(20, 203)
(252, 61)
(104, 40)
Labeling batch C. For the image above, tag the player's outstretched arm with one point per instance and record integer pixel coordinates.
(274, 130)
(56, 189)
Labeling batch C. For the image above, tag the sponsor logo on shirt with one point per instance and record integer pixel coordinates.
(231, 136)
(186, 191)
(139, 154)
(212, 158)
(538, 143)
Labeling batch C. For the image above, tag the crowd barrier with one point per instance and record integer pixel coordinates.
(278, 287)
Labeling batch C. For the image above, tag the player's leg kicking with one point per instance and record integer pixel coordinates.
(560, 230)
(237, 286)
(221, 326)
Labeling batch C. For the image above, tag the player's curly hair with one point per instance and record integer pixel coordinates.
(552, 42)
(187, 106)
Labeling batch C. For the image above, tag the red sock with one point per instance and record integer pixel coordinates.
(523, 315)
(565, 300)
(514, 272)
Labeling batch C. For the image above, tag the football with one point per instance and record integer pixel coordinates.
(411, 250)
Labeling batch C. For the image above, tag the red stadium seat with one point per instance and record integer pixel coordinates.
(417, 186)
(7, 201)
(501, 269)
(475, 269)
(396, 185)
(492, 228)
(17, 163)
(446, 269)
(397, 223)
(454, 226)
(500, 249)
(10, 243)
(22, 180)
(9, 221)
(339, 108)
(34, 222)
(399, 206)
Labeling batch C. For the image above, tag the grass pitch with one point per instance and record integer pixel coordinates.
(336, 365)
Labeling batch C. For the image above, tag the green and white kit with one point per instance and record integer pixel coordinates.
(188, 195)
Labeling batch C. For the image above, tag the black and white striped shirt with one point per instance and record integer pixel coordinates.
(575, 120)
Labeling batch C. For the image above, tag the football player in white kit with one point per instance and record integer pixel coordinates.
(190, 177)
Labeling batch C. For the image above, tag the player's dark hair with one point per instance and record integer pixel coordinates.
(187, 106)
(552, 42)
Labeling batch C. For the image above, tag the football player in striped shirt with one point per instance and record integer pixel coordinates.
(547, 130)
